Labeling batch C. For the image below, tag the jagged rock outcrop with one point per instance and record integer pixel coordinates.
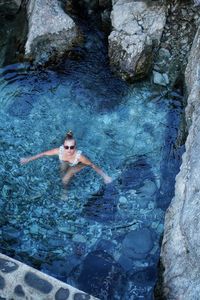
(51, 31)
(10, 7)
(137, 29)
(180, 253)
(171, 58)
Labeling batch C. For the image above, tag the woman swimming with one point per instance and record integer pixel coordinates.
(71, 159)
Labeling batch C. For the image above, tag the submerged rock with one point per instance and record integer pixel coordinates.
(100, 274)
(137, 29)
(51, 31)
(102, 206)
(138, 243)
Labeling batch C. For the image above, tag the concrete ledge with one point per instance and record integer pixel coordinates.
(19, 281)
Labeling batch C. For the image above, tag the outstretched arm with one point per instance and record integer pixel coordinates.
(87, 162)
(25, 160)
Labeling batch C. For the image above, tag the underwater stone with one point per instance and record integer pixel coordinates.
(10, 234)
(19, 291)
(81, 296)
(21, 108)
(7, 266)
(138, 243)
(99, 272)
(2, 283)
(122, 200)
(38, 283)
(148, 188)
(79, 238)
(34, 229)
(62, 294)
(125, 262)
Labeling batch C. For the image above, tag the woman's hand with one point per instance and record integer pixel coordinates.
(24, 160)
(107, 179)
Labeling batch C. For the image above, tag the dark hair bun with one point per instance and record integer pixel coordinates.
(69, 135)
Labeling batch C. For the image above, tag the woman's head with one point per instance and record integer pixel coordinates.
(69, 142)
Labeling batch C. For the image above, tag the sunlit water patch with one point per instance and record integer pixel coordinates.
(103, 239)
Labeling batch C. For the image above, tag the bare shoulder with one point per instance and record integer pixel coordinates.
(84, 160)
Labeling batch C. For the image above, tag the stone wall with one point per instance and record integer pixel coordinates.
(19, 281)
(180, 253)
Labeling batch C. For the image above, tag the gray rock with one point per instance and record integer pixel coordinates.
(51, 31)
(160, 79)
(10, 7)
(181, 245)
(137, 29)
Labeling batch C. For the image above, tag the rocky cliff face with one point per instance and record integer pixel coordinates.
(152, 36)
(180, 248)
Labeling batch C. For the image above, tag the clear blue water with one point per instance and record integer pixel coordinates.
(103, 239)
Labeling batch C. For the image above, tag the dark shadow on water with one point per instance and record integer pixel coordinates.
(173, 148)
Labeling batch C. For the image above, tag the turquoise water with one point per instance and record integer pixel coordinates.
(102, 239)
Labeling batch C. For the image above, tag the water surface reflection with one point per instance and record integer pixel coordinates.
(102, 239)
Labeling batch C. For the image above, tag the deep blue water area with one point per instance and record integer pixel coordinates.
(103, 239)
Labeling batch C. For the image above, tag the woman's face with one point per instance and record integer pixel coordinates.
(70, 146)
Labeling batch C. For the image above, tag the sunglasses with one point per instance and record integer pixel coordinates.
(69, 147)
